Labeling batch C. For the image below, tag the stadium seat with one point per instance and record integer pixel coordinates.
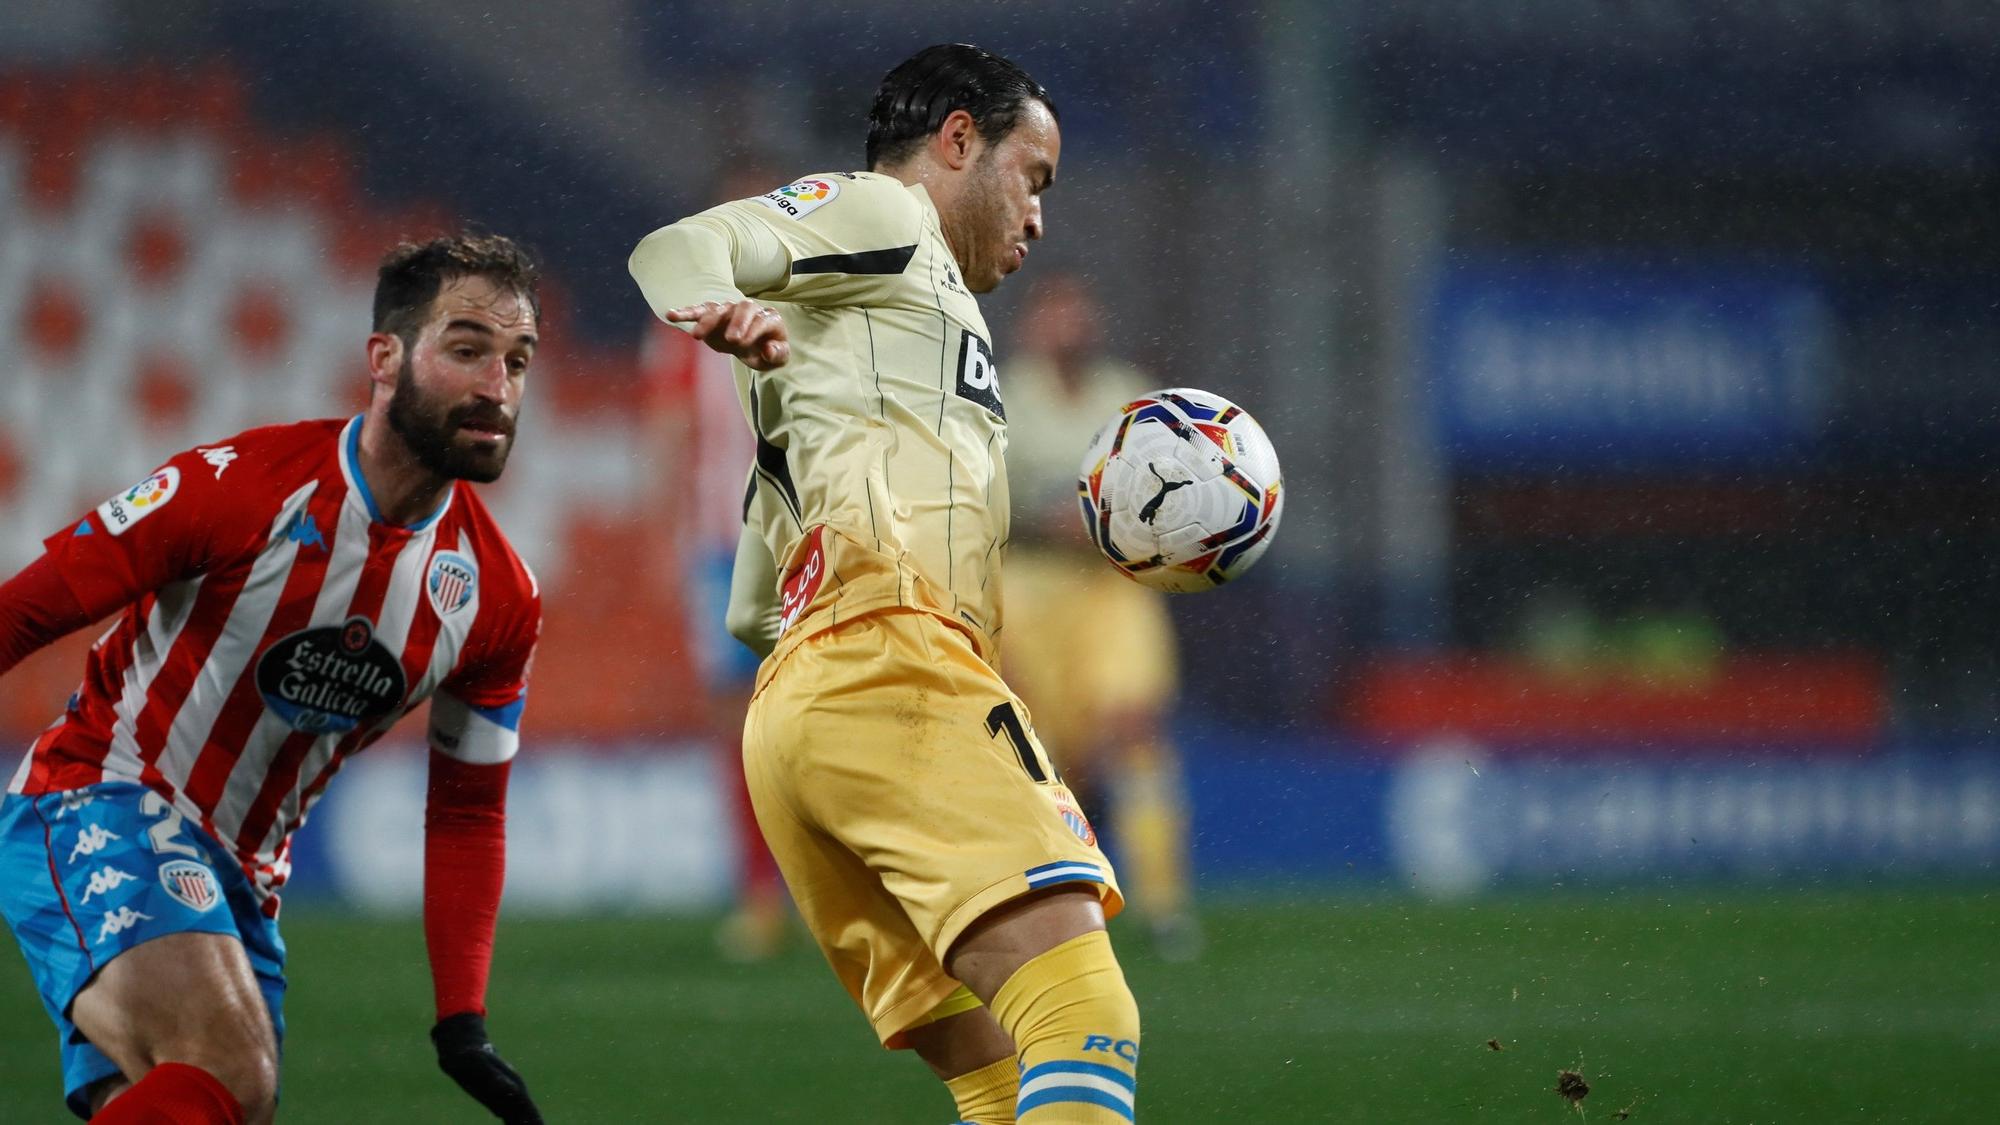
(175, 273)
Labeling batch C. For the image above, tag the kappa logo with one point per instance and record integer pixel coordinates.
(452, 580)
(120, 920)
(91, 841)
(191, 884)
(303, 529)
(104, 880)
(139, 501)
(801, 198)
(218, 455)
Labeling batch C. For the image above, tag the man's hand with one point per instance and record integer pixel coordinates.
(745, 329)
(466, 1054)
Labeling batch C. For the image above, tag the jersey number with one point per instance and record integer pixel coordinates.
(1005, 722)
(162, 835)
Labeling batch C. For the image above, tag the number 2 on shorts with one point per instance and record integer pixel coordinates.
(162, 835)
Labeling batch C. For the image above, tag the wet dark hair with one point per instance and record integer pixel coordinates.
(924, 89)
(413, 273)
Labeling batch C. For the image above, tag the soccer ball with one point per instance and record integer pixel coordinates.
(1181, 490)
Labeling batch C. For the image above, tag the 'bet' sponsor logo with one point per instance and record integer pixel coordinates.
(1124, 1048)
(91, 840)
(104, 880)
(120, 920)
(978, 375)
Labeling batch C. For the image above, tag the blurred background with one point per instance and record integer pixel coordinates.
(1632, 368)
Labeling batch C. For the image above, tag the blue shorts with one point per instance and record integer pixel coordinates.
(87, 874)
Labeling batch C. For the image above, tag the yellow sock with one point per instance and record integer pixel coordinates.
(986, 1096)
(1076, 1026)
(1148, 811)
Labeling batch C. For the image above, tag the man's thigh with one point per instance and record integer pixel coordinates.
(904, 795)
(94, 880)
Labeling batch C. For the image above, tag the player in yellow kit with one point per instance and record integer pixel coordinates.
(948, 875)
(1091, 651)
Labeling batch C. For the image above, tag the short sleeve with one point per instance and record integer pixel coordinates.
(476, 713)
(174, 524)
(842, 233)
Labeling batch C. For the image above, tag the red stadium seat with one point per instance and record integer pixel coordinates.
(54, 320)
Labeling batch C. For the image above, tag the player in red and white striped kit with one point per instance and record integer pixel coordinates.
(284, 596)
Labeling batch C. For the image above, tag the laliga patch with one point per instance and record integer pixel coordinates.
(139, 501)
(191, 884)
(450, 582)
(802, 198)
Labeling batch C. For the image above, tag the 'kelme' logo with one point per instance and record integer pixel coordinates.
(330, 679)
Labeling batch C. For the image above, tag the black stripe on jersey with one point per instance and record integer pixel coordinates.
(894, 260)
(771, 465)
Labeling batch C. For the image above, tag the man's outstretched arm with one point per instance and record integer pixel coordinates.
(699, 275)
(37, 608)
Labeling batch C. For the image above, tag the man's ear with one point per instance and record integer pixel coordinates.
(957, 140)
(385, 359)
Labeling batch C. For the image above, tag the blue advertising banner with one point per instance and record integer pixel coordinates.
(1459, 823)
(643, 828)
(1587, 364)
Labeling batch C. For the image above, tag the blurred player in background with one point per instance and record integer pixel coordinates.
(696, 437)
(944, 869)
(1091, 651)
(284, 597)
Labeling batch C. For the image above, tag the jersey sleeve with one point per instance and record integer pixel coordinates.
(476, 713)
(754, 609)
(823, 240)
(181, 519)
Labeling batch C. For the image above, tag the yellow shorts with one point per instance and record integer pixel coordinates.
(1084, 644)
(904, 794)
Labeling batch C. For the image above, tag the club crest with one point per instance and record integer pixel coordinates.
(451, 581)
(191, 884)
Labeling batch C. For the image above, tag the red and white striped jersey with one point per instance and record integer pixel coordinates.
(274, 625)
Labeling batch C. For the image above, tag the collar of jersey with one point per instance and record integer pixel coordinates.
(350, 465)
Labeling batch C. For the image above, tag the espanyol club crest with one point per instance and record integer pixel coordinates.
(191, 884)
(1078, 824)
(451, 581)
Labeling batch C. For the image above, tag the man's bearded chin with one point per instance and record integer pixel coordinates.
(428, 428)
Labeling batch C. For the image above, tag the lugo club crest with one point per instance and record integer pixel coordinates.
(331, 678)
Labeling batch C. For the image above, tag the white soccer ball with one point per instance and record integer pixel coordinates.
(1181, 490)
